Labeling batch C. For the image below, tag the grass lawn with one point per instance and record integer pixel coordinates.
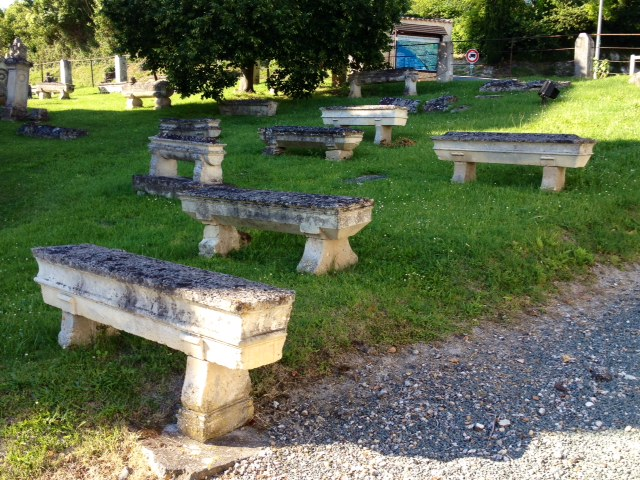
(437, 258)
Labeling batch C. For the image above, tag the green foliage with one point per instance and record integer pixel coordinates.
(601, 68)
(194, 43)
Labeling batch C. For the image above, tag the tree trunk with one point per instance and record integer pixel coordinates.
(246, 81)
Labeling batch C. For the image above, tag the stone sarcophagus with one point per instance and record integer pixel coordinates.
(383, 117)
(225, 325)
(408, 76)
(254, 108)
(554, 152)
(327, 221)
(191, 127)
(338, 143)
(206, 153)
(161, 90)
(45, 89)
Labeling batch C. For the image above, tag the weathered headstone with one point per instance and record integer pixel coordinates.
(583, 56)
(17, 81)
(3, 82)
(121, 69)
(65, 72)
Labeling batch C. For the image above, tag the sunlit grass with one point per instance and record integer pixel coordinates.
(437, 258)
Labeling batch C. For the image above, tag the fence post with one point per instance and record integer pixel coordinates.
(91, 67)
(632, 64)
(42, 72)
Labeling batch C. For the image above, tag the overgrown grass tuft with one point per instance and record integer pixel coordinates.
(437, 258)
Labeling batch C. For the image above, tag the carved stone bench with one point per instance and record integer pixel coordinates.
(339, 143)
(166, 150)
(191, 127)
(158, 89)
(327, 221)
(383, 117)
(45, 89)
(409, 77)
(255, 108)
(225, 325)
(554, 152)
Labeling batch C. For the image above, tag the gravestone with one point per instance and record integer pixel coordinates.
(583, 56)
(65, 72)
(121, 69)
(3, 82)
(17, 81)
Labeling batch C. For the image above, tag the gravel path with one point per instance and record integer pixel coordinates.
(554, 396)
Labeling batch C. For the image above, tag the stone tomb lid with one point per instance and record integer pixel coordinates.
(185, 138)
(313, 131)
(514, 137)
(193, 284)
(267, 197)
(365, 107)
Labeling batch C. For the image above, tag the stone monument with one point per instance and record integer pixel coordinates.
(121, 69)
(65, 72)
(583, 56)
(17, 89)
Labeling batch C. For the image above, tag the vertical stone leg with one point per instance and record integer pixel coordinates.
(76, 330)
(215, 400)
(43, 95)
(410, 86)
(64, 95)
(133, 102)
(463, 172)
(354, 89)
(321, 256)
(337, 155)
(273, 149)
(383, 134)
(162, 102)
(219, 240)
(162, 166)
(205, 172)
(553, 178)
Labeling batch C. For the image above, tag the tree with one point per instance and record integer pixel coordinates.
(197, 43)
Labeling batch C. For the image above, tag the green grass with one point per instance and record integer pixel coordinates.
(436, 259)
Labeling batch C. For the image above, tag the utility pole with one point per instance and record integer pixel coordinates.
(597, 55)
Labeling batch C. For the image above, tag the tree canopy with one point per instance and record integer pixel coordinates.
(195, 43)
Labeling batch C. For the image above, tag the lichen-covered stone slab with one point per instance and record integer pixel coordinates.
(337, 142)
(205, 152)
(215, 317)
(554, 152)
(327, 221)
(190, 127)
(225, 325)
(254, 108)
(383, 117)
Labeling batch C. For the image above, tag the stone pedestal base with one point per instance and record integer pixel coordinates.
(553, 179)
(133, 102)
(463, 172)
(322, 256)
(338, 155)
(162, 102)
(76, 330)
(215, 400)
(220, 240)
(383, 134)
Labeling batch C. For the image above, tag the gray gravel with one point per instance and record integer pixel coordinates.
(553, 395)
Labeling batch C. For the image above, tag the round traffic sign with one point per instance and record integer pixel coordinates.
(472, 56)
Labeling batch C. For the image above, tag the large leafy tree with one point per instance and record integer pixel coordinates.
(195, 43)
